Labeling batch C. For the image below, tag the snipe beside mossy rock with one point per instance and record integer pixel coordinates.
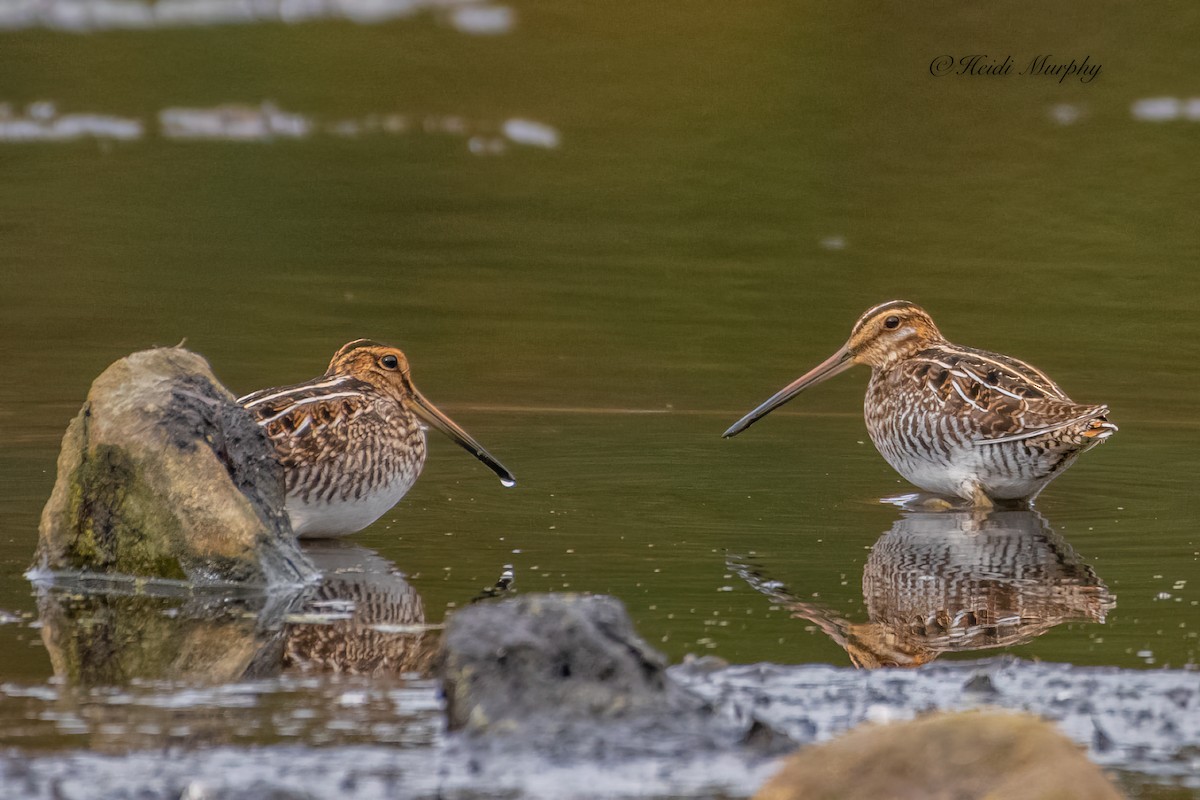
(352, 441)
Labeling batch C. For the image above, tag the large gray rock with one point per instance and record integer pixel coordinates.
(162, 475)
(569, 673)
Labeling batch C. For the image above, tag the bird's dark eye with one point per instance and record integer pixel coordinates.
(389, 362)
(891, 322)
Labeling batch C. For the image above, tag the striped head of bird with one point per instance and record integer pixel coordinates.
(387, 369)
(883, 335)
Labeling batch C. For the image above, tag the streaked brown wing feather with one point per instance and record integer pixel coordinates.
(1010, 374)
(306, 423)
(998, 397)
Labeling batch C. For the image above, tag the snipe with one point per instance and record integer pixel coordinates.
(954, 420)
(351, 442)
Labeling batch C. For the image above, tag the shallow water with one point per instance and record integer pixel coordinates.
(602, 233)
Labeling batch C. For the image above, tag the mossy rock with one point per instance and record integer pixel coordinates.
(162, 475)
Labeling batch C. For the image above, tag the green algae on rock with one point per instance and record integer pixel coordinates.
(162, 475)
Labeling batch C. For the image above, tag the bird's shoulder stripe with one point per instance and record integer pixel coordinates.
(295, 390)
(309, 410)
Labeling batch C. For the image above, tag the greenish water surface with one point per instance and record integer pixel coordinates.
(693, 205)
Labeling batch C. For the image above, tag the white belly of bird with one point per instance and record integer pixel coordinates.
(959, 476)
(1004, 471)
(318, 518)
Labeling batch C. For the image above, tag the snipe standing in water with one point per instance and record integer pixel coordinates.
(350, 442)
(954, 420)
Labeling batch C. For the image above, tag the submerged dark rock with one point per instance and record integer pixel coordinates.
(569, 673)
(162, 475)
(1132, 720)
(378, 739)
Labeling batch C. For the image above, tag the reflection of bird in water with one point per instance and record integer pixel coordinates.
(954, 420)
(351, 442)
(363, 618)
(956, 581)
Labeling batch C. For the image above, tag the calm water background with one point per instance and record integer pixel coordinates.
(717, 192)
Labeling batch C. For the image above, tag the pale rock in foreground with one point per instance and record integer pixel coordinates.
(962, 756)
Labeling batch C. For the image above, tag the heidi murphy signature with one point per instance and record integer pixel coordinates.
(1040, 66)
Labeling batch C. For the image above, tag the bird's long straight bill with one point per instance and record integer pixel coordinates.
(837, 363)
(429, 412)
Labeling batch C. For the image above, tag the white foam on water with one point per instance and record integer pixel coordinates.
(1156, 109)
(41, 121)
(472, 17)
(531, 133)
